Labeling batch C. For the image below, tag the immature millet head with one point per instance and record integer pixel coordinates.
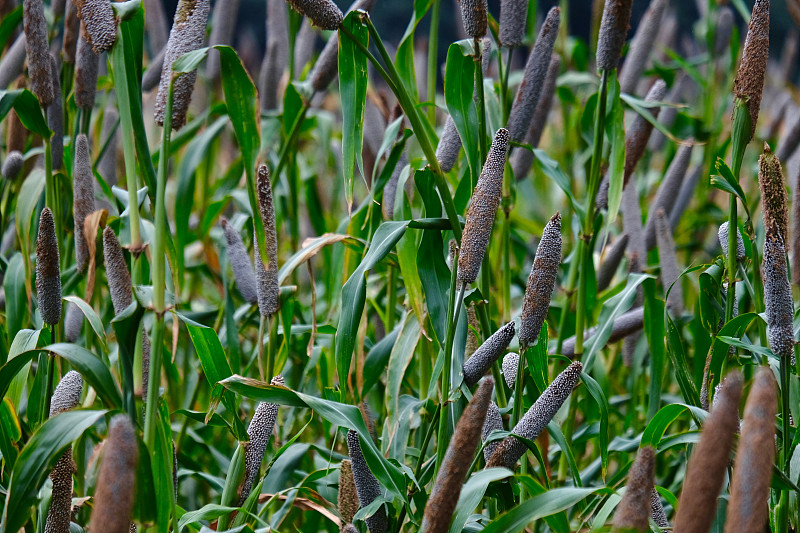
(541, 282)
(36, 46)
(347, 499)
(494, 421)
(48, 274)
(613, 31)
(509, 451)
(513, 15)
(777, 295)
(99, 23)
(449, 146)
(482, 210)
(86, 65)
(67, 394)
(119, 279)
(633, 512)
(488, 352)
(322, 13)
(774, 200)
(473, 14)
(12, 165)
(240, 262)
(749, 83)
(83, 197)
(116, 483)
(367, 486)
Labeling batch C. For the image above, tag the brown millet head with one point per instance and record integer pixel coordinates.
(613, 31)
(752, 471)
(796, 231)
(657, 510)
(259, 431)
(67, 394)
(725, 23)
(482, 210)
(777, 295)
(119, 279)
(533, 79)
(72, 27)
(642, 44)
(367, 486)
(670, 271)
(494, 421)
(48, 273)
(347, 499)
(59, 513)
(322, 13)
(36, 46)
(187, 34)
(722, 234)
(457, 460)
(325, 68)
(541, 282)
(774, 200)
(267, 284)
(240, 262)
(633, 512)
(639, 133)
(99, 26)
(710, 458)
(613, 257)
(509, 451)
(12, 165)
(116, 482)
(83, 197)
(513, 15)
(473, 14)
(749, 83)
(349, 528)
(488, 352)
(449, 146)
(86, 65)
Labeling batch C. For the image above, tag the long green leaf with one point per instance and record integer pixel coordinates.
(540, 506)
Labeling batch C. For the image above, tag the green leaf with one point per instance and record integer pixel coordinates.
(208, 512)
(679, 362)
(16, 295)
(9, 24)
(336, 413)
(190, 60)
(596, 392)
(400, 357)
(92, 318)
(727, 182)
(126, 328)
(552, 170)
(14, 383)
(472, 493)
(28, 110)
(616, 168)
(39, 455)
(540, 506)
(353, 91)
(654, 332)
(92, 368)
(405, 51)
(658, 425)
(459, 86)
(354, 294)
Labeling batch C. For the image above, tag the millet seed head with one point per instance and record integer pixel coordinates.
(67, 394)
(99, 26)
(482, 210)
(533, 79)
(541, 282)
(613, 31)
(749, 83)
(267, 284)
(510, 368)
(633, 512)
(36, 47)
(72, 28)
(513, 15)
(347, 499)
(13, 61)
(494, 421)
(116, 482)
(240, 262)
(752, 471)
(457, 460)
(488, 352)
(86, 65)
(777, 295)
(510, 449)
(259, 431)
(73, 322)
(187, 34)
(449, 146)
(657, 510)
(325, 69)
(641, 46)
(59, 513)
(48, 274)
(83, 197)
(12, 165)
(774, 199)
(613, 257)
(119, 279)
(722, 234)
(367, 486)
(639, 133)
(473, 14)
(668, 191)
(709, 461)
(725, 22)
(670, 272)
(322, 13)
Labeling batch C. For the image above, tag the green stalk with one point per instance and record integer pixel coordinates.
(483, 317)
(519, 387)
(410, 109)
(51, 194)
(158, 269)
(481, 101)
(433, 49)
(129, 151)
(588, 221)
(273, 340)
(262, 320)
(391, 298)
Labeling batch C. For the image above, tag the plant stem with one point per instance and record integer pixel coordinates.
(433, 63)
(273, 340)
(588, 221)
(391, 298)
(481, 101)
(51, 195)
(129, 151)
(158, 269)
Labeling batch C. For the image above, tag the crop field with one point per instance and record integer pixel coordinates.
(535, 279)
